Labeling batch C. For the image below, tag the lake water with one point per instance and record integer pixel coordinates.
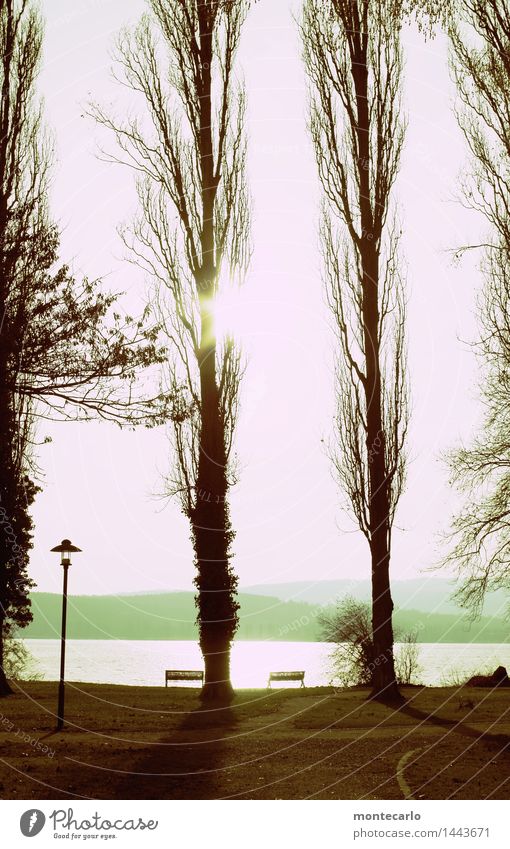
(142, 662)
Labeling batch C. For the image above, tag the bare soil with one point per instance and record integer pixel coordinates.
(157, 743)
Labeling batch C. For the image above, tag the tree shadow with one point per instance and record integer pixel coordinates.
(185, 764)
(456, 726)
(393, 699)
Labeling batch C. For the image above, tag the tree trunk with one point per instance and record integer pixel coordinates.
(5, 504)
(216, 584)
(5, 689)
(384, 683)
(9, 125)
(217, 608)
(384, 680)
(5, 418)
(217, 685)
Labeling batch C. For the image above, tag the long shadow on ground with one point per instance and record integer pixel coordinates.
(458, 726)
(186, 763)
(446, 770)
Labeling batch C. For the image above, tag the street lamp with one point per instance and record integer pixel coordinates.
(66, 548)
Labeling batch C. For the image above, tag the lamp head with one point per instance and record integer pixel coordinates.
(66, 548)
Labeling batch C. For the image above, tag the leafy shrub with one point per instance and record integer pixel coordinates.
(18, 661)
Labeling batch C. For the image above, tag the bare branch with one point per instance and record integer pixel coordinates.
(479, 541)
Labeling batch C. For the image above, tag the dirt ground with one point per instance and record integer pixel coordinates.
(157, 743)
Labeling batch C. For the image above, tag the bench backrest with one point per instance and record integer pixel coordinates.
(286, 676)
(184, 675)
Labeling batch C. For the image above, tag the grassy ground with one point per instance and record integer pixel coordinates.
(156, 743)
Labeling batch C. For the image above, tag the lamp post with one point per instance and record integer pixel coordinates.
(66, 548)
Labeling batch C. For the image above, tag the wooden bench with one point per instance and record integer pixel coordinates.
(286, 676)
(183, 675)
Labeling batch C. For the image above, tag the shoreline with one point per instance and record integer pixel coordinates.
(253, 640)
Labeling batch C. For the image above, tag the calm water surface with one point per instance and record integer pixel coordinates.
(144, 661)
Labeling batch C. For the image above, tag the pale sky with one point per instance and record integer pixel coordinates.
(101, 484)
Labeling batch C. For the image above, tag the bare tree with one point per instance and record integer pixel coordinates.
(191, 237)
(407, 660)
(353, 58)
(479, 545)
(349, 626)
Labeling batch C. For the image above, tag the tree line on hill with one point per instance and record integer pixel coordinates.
(171, 616)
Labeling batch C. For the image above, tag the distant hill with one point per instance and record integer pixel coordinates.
(171, 616)
(429, 594)
(165, 616)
